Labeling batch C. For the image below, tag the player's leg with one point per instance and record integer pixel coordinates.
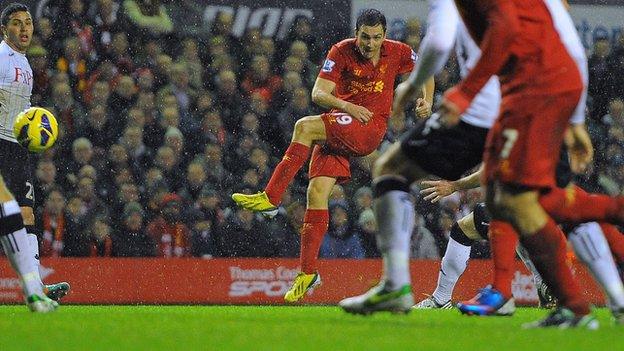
(394, 209)
(570, 205)
(55, 291)
(19, 180)
(16, 247)
(306, 131)
(520, 158)
(616, 242)
(546, 245)
(544, 295)
(463, 235)
(315, 224)
(592, 249)
(33, 244)
(393, 173)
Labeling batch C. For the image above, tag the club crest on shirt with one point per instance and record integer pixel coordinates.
(383, 68)
(328, 66)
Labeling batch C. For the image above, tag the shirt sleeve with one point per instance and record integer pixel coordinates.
(503, 25)
(4, 68)
(333, 65)
(568, 34)
(434, 50)
(407, 59)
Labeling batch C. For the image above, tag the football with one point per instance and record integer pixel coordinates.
(36, 129)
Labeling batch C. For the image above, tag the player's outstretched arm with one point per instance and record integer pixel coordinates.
(436, 190)
(433, 53)
(322, 95)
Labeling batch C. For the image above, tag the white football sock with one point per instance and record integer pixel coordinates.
(16, 248)
(33, 246)
(524, 256)
(453, 266)
(394, 211)
(592, 248)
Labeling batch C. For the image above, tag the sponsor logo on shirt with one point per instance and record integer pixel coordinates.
(328, 66)
(356, 87)
(22, 76)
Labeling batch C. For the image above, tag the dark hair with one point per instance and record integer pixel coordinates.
(370, 17)
(11, 9)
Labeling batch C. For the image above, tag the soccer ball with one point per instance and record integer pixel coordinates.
(36, 129)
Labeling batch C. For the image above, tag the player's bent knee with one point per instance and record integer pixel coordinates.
(467, 225)
(310, 127)
(379, 166)
(459, 235)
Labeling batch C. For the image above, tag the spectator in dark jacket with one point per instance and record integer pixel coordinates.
(131, 240)
(339, 242)
(240, 236)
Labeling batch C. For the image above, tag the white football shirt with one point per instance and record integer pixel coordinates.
(484, 109)
(569, 37)
(16, 83)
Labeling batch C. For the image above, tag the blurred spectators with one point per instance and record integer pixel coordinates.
(101, 241)
(160, 129)
(171, 235)
(53, 222)
(367, 230)
(423, 243)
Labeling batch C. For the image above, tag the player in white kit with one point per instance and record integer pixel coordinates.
(16, 82)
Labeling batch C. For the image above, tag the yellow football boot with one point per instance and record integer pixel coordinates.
(256, 202)
(302, 284)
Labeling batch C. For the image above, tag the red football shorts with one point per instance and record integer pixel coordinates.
(346, 137)
(523, 146)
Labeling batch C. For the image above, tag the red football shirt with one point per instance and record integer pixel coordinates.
(361, 83)
(519, 42)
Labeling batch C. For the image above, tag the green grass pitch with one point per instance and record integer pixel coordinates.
(286, 328)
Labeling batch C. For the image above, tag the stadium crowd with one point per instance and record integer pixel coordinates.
(158, 130)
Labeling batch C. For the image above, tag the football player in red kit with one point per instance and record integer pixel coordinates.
(357, 83)
(541, 87)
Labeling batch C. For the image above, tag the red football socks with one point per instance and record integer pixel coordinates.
(294, 158)
(575, 205)
(503, 241)
(547, 249)
(615, 240)
(315, 223)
